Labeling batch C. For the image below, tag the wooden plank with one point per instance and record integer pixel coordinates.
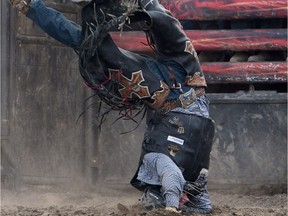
(245, 72)
(235, 40)
(226, 9)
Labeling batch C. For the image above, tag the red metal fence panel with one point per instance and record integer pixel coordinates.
(267, 39)
(226, 9)
(236, 40)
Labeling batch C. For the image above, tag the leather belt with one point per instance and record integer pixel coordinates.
(183, 101)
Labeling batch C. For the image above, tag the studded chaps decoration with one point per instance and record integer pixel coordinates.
(123, 79)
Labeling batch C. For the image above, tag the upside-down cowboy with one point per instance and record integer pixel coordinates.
(174, 163)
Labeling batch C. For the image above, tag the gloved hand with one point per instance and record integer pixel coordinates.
(21, 5)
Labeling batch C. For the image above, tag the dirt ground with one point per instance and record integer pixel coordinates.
(124, 200)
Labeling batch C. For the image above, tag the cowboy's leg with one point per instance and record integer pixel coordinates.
(171, 42)
(52, 22)
(167, 32)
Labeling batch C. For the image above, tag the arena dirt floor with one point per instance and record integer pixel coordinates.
(123, 200)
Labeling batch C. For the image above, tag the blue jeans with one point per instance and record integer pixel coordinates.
(55, 24)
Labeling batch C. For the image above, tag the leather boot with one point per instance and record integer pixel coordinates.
(151, 5)
(81, 2)
(21, 5)
(101, 12)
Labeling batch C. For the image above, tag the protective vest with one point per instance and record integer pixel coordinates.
(186, 139)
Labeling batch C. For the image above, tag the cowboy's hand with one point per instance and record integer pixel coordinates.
(21, 5)
(183, 199)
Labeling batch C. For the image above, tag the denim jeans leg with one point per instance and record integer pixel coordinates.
(55, 24)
